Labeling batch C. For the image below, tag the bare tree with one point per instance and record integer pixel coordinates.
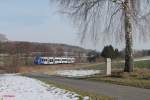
(110, 19)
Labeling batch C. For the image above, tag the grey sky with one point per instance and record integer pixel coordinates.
(37, 21)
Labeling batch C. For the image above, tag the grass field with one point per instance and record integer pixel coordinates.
(139, 78)
(120, 65)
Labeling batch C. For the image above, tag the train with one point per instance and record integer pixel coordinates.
(54, 60)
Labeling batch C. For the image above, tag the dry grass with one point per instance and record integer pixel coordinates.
(139, 78)
(138, 74)
(50, 69)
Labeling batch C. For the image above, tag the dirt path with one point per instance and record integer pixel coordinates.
(121, 92)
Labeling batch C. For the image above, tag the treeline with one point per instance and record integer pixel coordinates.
(140, 53)
(33, 49)
(43, 49)
(26, 48)
(15, 54)
(110, 52)
(107, 52)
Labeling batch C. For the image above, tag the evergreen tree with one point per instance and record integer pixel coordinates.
(109, 52)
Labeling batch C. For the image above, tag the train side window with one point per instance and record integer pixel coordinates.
(51, 60)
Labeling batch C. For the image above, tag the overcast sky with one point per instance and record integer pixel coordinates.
(38, 21)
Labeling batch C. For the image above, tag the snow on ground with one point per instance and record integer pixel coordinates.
(77, 73)
(15, 87)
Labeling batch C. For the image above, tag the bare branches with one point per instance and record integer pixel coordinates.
(141, 18)
(113, 14)
(105, 18)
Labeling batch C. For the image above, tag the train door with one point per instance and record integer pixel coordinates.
(51, 60)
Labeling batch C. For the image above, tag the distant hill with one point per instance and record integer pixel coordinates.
(53, 49)
(3, 38)
(46, 49)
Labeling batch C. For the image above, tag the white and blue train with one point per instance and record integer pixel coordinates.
(54, 60)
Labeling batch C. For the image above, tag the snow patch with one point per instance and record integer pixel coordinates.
(77, 73)
(15, 87)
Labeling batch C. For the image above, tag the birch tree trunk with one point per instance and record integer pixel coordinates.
(129, 64)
